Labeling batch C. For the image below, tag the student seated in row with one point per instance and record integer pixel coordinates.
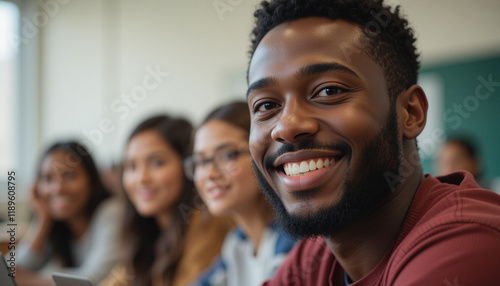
(221, 166)
(167, 239)
(74, 228)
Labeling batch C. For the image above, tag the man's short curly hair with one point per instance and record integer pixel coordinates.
(389, 40)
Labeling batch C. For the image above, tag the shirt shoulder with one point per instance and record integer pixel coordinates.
(451, 200)
(309, 263)
(215, 275)
(108, 211)
(452, 232)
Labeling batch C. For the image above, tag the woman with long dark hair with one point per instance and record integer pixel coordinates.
(165, 239)
(221, 166)
(74, 227)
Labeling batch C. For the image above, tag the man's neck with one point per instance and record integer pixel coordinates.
(361, 246)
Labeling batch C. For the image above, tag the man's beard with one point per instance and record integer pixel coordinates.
(361, 192)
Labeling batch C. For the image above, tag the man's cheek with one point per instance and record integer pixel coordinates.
(257, 146)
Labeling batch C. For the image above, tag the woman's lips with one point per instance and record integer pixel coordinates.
(146, 195)
(215, 191)
(60, 202)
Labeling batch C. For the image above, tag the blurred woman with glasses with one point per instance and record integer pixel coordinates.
(221, 167)
(166, 240)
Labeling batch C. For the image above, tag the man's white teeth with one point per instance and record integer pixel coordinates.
(312, 165)
(304, 167)
(294, 169)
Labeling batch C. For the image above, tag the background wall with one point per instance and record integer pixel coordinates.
(119, 61)
(102, 66)
(470, 107)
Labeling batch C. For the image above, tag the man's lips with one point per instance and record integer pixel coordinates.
(306, 169)
(303, 161)
(306, 166)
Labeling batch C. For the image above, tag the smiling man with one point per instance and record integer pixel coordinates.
(335, 112)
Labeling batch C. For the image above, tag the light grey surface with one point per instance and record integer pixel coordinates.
(64, 279)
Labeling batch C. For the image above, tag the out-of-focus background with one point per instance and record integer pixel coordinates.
(92, 69)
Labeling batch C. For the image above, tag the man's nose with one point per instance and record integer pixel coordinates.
(296, 122)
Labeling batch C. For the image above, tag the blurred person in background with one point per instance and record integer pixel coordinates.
(165, 238)
(74, 227)
(111, 178)
(460, 153)
(221, 166)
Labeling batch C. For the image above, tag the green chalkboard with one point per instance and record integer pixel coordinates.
(471, 106)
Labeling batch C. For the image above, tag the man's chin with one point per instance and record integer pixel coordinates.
(310, 223)
(304, 210)
(298, 219)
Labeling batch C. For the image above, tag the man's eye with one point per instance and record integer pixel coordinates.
(329, 91)
(266, 106)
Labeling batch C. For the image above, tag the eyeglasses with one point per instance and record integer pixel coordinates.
(224, 161)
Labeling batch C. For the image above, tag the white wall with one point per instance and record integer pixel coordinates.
(92, 52)
(452, 29)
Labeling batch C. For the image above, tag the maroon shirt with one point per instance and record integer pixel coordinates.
(450, 237)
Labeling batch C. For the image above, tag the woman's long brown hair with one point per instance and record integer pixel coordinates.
(150, 253)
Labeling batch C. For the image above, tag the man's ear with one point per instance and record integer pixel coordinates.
(412, 111)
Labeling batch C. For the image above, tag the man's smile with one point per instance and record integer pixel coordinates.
(305, 161)
(305, 169)
(307, 166)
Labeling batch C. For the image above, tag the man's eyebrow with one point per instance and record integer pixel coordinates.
(323, 68)
(261, 83)
(303, 72)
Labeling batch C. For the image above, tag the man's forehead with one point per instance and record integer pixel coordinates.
(314, 35)
(310, 25)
